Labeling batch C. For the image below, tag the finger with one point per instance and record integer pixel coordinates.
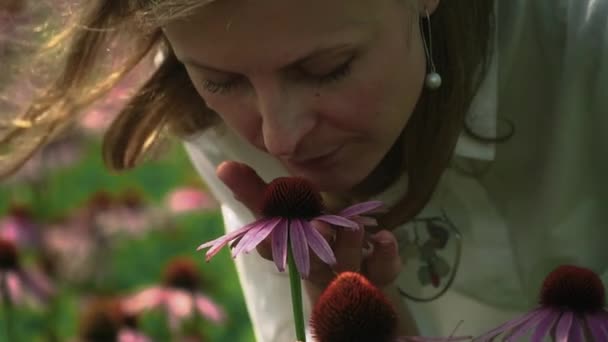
(347, 249)
(382, 267)
(264, 248)
(246, 185)
(326, 230)
(320, 273)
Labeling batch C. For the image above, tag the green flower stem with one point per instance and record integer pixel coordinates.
(8, 310)
(296, 296)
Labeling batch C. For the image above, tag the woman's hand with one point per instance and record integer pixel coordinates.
(381, 264)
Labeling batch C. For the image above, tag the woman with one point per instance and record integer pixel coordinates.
(477, 123)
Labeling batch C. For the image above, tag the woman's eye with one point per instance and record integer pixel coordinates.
(220, 87)
(336, 74)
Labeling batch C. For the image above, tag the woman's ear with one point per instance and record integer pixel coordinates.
(428, 6)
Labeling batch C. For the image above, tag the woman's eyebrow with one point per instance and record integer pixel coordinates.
(312, 55)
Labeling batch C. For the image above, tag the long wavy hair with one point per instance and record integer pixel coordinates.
(167, 102)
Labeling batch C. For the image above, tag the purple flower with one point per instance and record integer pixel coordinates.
(187, 199)
(289, 205)
(19, 283)
(19, 226)
(572, 308)
(131, 335)
(104, 319)
(71, 247)
(353, 309)
(128, 214)
(179, 295)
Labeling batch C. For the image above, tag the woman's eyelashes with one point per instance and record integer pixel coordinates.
(300, 74)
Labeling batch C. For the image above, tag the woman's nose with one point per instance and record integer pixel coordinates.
(286, 120)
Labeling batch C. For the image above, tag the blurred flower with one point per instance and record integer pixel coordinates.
(77, 241)
(352, 309)
(126, 214)
(104, 320)
(18, 226)
(81, 242)
(59, 153)
(187, 199)
(70, 245)
(572, 308)
(179, 295)
(105, 215)
(129, 331)
(99, 117)
(289, 204)
(22, 284)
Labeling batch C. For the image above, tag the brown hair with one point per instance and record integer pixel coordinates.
(461, 32)
(462, 43)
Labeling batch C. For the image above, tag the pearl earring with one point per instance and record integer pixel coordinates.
(433, 79)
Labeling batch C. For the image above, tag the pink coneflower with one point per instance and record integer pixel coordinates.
(104, 320)
(18, 226)
(179, 295)
(69, 241)
(20, 284)
(101, 114)
(129, 331)
(127, 214)
(188, 199)
(288, 207)
(572, 308)
(352, 309)
(105, 215)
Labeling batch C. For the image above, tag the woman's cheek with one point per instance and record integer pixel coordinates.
(246, 123)
(354, 107)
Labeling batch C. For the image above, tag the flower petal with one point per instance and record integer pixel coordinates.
(220, 242)
(232, 235)
(360, 208)
(597, 326)
(576, 333)
(131, 335)
(365, 221)
(179, 303)
(148, 298)
(524, 328)
(279, 245)
(299, 247)
(318, 244)
(37, 283)
(338, 221)
(488, 336)
(433, 339)
(239, 243)
(209, 309)
(255, 236)
(544, 327)
(14, 285)
(563, 327)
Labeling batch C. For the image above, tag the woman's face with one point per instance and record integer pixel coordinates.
(324, 86)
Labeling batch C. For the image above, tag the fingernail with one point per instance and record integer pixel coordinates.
(388, 248)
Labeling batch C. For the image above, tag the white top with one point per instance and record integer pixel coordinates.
(538, 204)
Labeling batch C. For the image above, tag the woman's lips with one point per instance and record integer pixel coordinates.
(316, 162)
